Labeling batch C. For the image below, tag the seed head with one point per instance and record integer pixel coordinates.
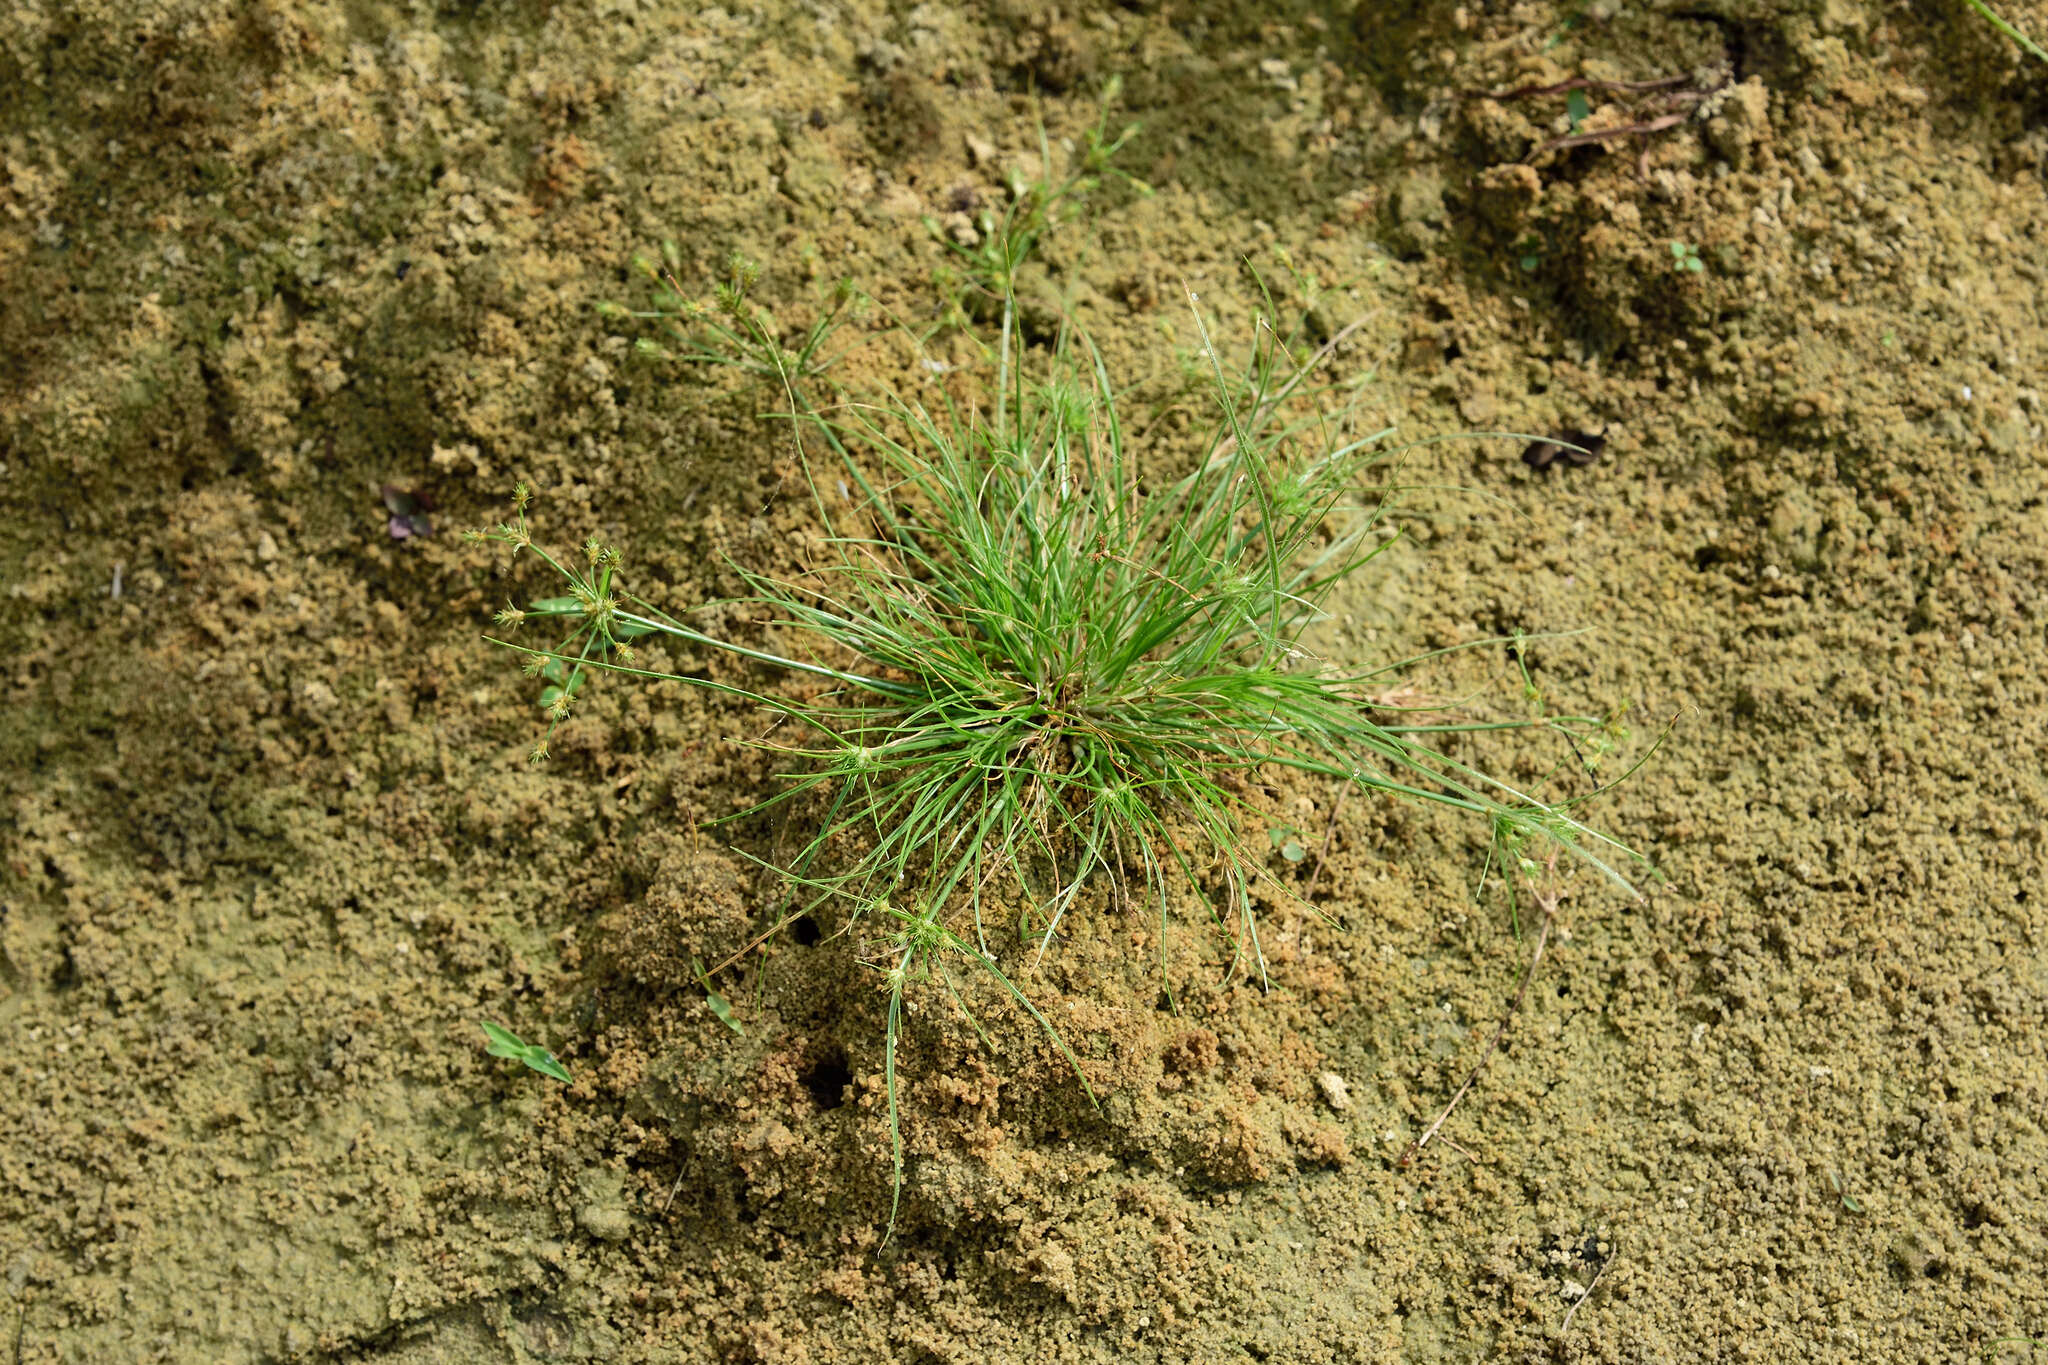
(745, 272)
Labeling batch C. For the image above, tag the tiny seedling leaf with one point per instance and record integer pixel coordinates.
(1287, 840)
(720, 1006)
(505, 1043)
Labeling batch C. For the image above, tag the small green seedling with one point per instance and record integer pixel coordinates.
(720, 1006)
(506, 1043)
(1686, 257)
(1842, 1193)
(1577, 108)
(1287, 839)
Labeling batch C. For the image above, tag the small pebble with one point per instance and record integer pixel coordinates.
(606, 1222)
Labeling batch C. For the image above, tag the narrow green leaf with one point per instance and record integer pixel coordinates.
(720, 1006)
(505, 1043)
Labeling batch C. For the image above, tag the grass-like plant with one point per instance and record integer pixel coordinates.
(1050, 670)
(2009, 30)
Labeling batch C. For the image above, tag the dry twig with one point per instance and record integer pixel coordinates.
(1580, 1301)
(1329, 833)
(1677, 94)
(1524, 92)
(1547, 901)
(1655, 125)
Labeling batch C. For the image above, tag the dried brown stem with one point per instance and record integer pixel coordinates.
(1329, 833)
(1547, 902)
(1534, 91)
(1572, 1312)
(1655, 125)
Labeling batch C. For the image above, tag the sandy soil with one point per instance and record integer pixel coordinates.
(271, 849)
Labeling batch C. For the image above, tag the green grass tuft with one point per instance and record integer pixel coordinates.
(1051, 671)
